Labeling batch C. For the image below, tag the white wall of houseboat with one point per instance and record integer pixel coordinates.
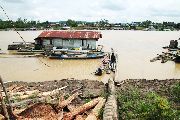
(57, 42)
(69, 43)
(46, 42)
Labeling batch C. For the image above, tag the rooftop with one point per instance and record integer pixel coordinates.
(70, 34)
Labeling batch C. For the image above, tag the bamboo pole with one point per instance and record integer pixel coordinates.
(6, 115)
(9, 107)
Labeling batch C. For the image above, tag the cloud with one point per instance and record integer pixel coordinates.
(13, 1)
(93, 10)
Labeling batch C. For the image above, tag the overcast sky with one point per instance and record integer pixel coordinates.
(93, 10)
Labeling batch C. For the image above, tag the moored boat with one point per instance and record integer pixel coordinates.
(21, 45)
(77, 56)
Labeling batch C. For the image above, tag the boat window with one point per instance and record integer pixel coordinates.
(82, 42)
(51, 42)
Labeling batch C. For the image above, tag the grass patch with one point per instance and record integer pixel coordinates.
(146, 106)
(175, 92)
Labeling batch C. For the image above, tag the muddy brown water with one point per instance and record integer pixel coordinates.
(135, 49)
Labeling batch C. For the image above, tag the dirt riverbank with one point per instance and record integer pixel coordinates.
(52, 91)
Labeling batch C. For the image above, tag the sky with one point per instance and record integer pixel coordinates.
(93, 10)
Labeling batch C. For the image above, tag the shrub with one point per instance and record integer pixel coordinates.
(175, 92)
(148, 106)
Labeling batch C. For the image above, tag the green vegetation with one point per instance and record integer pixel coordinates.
(24, 24)
(16, 98)
(101, 113)
(87, 100)
(33, 95)
(71, 23)
(134, 104)
(175, 91)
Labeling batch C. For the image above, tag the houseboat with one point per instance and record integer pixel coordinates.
(69, 44)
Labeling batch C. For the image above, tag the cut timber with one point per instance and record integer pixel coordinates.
(95, 112)
(81, 109)
(99, 106)
(67, 101)
(60, 115)
(79, 117)
(24, 95)
(2, 117)
(6, 115)
(71, 107)
(9, 107)
(53, 92)
(34, 100)
(35, 94)
(91, 116)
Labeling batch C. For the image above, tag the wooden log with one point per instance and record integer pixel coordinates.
(67, 101)
(81, 109)
(95, 112)
(53, 92)
(60, 114)
(34, 100)
(99, 106)
(91, 116)
(41, 97)
(79, 117)
(2, 117)
(9, 107)
(25, 94)
(6, 115)
(71, 107)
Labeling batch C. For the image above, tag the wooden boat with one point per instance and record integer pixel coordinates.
(25, 52)
(75, 56)
(173, 49)
(30, 51)
(21, 45)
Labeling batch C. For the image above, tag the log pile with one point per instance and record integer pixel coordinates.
(56, 104)
(60, 112)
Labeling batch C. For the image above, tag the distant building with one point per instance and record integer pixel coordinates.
(68, 39)
(151, 28)
(166, 29)
(66, 28)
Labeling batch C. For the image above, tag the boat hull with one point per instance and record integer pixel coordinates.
(75, 57)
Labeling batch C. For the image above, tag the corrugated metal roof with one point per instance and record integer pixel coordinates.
(70, 34)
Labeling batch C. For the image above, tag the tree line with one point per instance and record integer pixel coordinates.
(103, 23)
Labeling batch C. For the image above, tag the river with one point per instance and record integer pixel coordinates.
(134, 48)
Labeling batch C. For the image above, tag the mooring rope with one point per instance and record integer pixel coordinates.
(19, 33)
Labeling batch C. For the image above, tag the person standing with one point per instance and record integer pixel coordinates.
(113, 61)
